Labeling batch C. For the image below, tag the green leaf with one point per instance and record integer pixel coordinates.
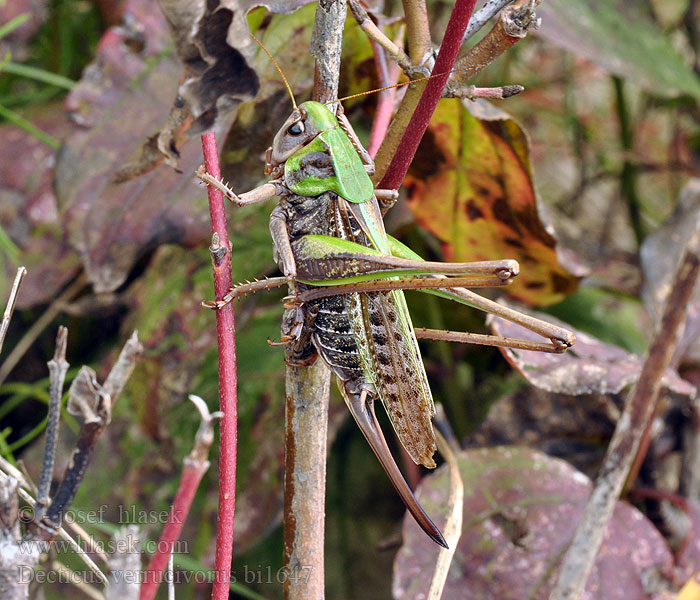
(29, 127)
(42, 75)
(10, 26)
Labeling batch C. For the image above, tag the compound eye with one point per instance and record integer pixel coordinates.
(296, 128)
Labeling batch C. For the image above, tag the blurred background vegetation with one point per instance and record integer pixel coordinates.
(611, 114)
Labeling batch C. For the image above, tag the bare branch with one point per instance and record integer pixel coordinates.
(39, 325)
(483, 16)
(58, 367)
(9, 309)
(306, 424)
(472, 92)
(326, 46)
(420, 45)
(228, 382)
(393, 175)
(513, 25)
(378, 36)
(308, 388)
(88, 399)
(195, 466)
(122, 369)
(639, 410)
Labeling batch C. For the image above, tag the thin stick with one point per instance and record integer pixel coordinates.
(385, 100)
(12, 300)
(433, 91)
(195, 466)
(417, 30)
(39, 325)
(377, 36)
(499, 93)
(94, 403)
(228, 396)
(58, 367)
(639, 410)
(512, 26)
(483, 16)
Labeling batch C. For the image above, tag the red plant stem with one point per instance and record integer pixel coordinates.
(191, 476)
(451, 43)
(228, 401)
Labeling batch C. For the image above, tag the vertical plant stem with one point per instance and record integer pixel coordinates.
(639, 410)
(195, 466)
(307, 388)
(385, 100)
(419, 42)
(305, 480)
(58, 367)
(228, 398)
(433, 90)
(417, 29)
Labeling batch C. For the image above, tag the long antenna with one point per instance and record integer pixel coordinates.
(274, 62)
(409, 82)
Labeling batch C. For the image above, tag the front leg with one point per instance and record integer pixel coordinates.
(259, 194)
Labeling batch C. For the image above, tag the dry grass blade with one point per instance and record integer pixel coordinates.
(453, 526)
(21, 272)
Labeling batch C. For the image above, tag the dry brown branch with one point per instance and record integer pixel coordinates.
(58, 367)
(512, 26)
(639, 410)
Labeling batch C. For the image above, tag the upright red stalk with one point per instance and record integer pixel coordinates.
(228, 401)
(451, 43)
(191, 476)
(195, 466)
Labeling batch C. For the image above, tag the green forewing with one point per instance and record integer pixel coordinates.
(410, 404)
(353, 182)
